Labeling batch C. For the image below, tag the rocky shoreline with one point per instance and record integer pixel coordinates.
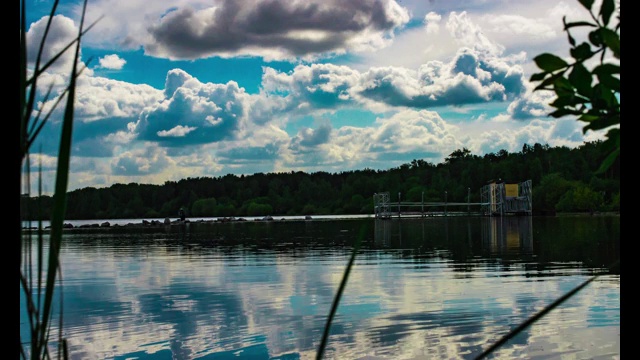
(169, 222)
(158, 223)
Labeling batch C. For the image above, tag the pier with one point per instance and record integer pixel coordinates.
(497, 199)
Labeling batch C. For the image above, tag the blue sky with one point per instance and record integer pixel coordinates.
(192, 88)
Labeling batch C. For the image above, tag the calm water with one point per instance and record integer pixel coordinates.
(434, 288)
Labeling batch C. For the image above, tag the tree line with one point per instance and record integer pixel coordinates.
(563, 180)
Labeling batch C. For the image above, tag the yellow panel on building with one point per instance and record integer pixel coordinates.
(511, 190)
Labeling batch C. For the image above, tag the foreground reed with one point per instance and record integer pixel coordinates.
(38, 276)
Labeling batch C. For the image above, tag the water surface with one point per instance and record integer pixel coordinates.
(433, 288)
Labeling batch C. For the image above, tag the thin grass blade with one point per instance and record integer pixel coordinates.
(60, 194)
(24, 114)
(338, 295)
(32, 82)
(51, 61)
(33, 133)
(537, 317)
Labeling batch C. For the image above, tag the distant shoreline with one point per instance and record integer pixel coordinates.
(156, 222)
(120, 223)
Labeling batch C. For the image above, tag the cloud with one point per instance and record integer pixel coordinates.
(112, 62)
(193, 112)
(310, 137)
(457, 59)
(520, 26)
(99, 98)
(408, 133)
(558, 132)
(140, 162)
(103, 108)
(96, 146)
(61, 33)
(494, 141)
(249, 154)
(271, 29)
(316, 86)
(310, 140)
(568, 129)
(413, 131)
(43, 161)
(470, 35)
(471, 77)
(532, 105)
(432, 23)
(177, 131)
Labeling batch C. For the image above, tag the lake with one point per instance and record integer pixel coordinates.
(421, 288)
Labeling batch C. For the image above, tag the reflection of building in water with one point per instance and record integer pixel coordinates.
(495, 234)
(407, 233)
(382, 235)
(508, 234)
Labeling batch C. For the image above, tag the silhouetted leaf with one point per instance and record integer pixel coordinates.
(563, 112)
(609, 81)
(563, 87)
(614, 135)
(581, 79)
(604, 94)
(606, 163)
(606, 9)
(598, 106)
(595, 37)
(581, 52)
(602, 123)
(612, 40)
(588, 117)
(538, 76)
(572, 41)
(549, 62)
(587, 4)
(611, 145)
(569, 100)
(579, 23)
(606, 69)
(548, 81)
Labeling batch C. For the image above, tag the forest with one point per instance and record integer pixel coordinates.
(563, 180)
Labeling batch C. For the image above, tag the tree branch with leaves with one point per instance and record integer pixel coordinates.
(593, 96)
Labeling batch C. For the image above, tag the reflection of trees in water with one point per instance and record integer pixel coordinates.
(593, 240)
(466, 240)
(590, 239)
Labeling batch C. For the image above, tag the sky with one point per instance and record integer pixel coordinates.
(190, 88)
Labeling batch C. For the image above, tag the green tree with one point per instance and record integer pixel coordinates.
(225, 210)
(256, 209)
(615, 202)
(580, 198)
(593, 95)
(355, 204)
(309, 209)
(204, 207)
(551, 188)
(415, 193)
